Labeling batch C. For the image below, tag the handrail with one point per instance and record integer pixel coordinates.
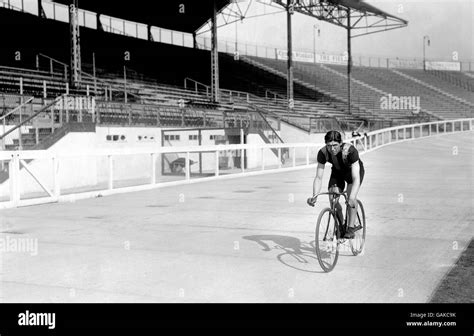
(107, 83)
(196, 83)
(2, 118)
(418, 125)
(270, 126)
(452, 79)
(366, 144)
(275, 94)
(32, 116)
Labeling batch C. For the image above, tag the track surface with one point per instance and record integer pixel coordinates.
(249, 239)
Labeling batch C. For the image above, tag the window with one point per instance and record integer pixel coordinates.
(108, 138)
(167, 137)
(177, 137)
(193, 137)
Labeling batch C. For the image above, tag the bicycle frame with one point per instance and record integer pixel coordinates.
(333, 209)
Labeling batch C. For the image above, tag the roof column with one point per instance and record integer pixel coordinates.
(289, 85)
(75, 74)
(214, 57)
(349, 60)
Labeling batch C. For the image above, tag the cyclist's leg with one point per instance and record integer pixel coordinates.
(353, 211)
(337, 184)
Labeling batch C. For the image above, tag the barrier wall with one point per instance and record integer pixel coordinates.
(54, 191)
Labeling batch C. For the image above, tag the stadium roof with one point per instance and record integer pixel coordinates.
(164, 14)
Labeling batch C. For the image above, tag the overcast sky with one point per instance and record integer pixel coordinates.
(448, 23)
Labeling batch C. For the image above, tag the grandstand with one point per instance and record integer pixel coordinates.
(158, 86)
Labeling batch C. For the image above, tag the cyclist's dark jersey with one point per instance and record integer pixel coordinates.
(352, 156)
(340, 177)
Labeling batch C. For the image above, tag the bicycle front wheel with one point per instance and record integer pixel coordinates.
(326, 240)
(357, 244)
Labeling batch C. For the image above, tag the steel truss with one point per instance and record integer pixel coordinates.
(340, 12)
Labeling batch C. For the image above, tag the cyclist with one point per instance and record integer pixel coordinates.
(346, 167)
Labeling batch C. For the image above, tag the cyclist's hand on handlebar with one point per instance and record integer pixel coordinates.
(311, 201)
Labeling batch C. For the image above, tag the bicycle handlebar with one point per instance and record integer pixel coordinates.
(312, 200)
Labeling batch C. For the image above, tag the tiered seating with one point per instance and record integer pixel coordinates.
(334, 89)
(443, 84)
(269, 94)
(431, 101)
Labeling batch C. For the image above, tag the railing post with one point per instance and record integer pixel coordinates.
(56, 186)
(21, 85)
(242, 160)
(111, 172)
(188, 167)
(404, 133)
(66, 107)
(217, 163)
(263, 158)
(67, 88)
(279, 157)
(153, 168)
(294, 156)
(14, 171)
(44, 89)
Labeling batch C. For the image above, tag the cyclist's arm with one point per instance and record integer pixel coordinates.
(318, 179)
(355, 168)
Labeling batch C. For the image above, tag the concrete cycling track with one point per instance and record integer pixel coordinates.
(249, 239)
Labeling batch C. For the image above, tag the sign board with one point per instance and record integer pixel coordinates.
(405, 64)
(446, 66)
(306, 57)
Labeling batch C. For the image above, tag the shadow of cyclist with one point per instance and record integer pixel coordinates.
(290, 244)
(294, 253)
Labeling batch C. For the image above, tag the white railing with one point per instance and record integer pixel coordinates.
(64, 176)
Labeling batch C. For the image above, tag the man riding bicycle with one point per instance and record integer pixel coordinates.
(346, 167)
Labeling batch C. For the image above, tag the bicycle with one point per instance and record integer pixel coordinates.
(330, 232)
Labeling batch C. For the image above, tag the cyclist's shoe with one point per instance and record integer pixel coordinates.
(350, 232)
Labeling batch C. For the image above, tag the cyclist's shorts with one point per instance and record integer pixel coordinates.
(341, 177)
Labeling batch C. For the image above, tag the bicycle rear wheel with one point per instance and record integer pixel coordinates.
(326, 247)
(357, 244)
